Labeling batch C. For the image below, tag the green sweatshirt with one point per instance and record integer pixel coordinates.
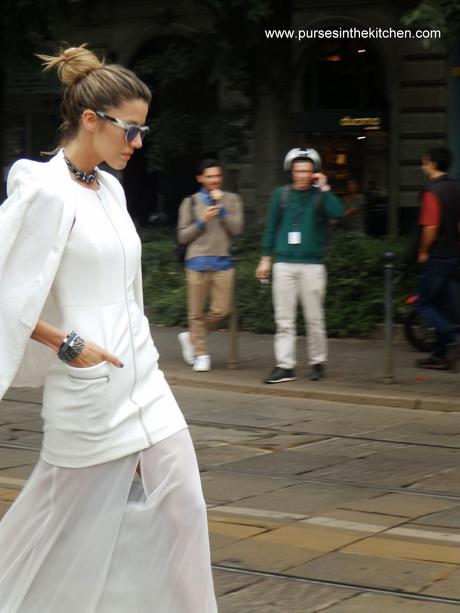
(298, 215)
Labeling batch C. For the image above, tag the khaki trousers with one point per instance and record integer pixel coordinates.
(215, 286)
(291, 283)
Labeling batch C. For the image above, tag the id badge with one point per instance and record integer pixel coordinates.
(294, 238)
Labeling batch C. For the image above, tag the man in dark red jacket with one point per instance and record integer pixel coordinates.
(438, 256)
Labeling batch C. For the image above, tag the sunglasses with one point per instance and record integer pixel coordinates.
(131, 129)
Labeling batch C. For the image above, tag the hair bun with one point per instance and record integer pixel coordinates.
(72, 64)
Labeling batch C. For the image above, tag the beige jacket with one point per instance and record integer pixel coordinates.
(217, 235)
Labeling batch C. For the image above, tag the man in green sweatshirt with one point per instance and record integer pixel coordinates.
(296, 234)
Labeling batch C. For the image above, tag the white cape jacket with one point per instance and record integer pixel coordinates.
(35, 222)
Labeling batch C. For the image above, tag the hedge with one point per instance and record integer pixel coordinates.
(354, 304)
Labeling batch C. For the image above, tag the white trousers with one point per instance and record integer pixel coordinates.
(307, 283)
(92, 540)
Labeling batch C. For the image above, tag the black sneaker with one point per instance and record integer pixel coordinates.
(280, 375)
(432, 363)
(316, 373)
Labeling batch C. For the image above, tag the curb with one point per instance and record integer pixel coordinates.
(348, 396)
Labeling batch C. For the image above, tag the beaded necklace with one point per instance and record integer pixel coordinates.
(81, 175)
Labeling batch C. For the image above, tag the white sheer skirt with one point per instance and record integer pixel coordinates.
(100, 540)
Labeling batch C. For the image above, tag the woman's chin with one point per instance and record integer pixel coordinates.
(119, 164)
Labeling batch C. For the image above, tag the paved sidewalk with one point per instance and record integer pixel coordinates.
(354, 372)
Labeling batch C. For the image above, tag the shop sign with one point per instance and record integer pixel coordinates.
(368, 123)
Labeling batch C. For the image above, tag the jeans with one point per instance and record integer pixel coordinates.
(437, 298)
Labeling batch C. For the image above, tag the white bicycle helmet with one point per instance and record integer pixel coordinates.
(296, 153)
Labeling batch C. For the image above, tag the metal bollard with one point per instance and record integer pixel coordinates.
(388, 270)
(232, 362)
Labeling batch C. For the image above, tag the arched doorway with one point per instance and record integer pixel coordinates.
(163, 171)
(342, 110)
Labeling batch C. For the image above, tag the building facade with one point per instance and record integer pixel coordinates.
(370, 106)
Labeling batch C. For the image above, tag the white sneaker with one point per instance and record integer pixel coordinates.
(188, 353)
(202, 363)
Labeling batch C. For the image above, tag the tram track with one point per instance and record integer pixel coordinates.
(358, 587)
(321, 435)
(325, 435)
(335, 482)
(305, 479)
(9, 445)
(276, 430)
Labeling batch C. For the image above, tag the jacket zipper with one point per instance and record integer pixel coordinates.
(129, 318)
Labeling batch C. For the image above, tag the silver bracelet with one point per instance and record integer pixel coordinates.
(71, 347)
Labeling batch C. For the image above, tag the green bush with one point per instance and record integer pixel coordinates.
(354, 305)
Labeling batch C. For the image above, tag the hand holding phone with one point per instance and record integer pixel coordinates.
(216, 195)
(210, 213)
(320, 180)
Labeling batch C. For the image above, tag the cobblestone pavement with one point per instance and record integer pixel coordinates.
(313, 505)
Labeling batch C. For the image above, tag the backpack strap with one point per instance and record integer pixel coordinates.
(192, 206)
(286, 190)
(320, 213)
(284, 196)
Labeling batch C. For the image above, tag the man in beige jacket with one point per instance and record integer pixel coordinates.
(208, 222)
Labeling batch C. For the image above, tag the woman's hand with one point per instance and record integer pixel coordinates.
(92, 355)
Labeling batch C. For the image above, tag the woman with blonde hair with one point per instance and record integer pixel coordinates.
(85, 535)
